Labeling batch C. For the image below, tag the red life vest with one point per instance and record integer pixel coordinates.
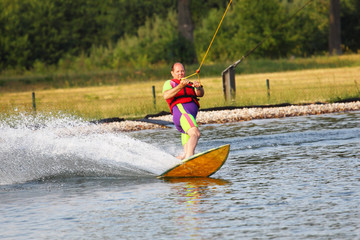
(185, 95)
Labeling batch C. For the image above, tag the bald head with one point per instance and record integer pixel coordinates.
(178, 71)
(177, 64)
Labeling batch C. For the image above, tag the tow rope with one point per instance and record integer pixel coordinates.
(208, 49)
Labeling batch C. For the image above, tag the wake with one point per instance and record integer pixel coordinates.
(40, 147)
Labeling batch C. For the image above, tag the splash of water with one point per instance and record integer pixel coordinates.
(57, 145)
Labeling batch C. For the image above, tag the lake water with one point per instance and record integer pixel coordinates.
(293, 178)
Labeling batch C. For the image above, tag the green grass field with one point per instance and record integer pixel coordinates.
(135, 99)
(77, 76)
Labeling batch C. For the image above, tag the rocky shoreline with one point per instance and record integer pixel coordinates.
(235, 115)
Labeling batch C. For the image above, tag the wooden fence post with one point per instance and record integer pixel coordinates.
(33, 101)
(228, 76)
(154, 96)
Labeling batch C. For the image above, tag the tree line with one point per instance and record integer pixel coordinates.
(112, 34)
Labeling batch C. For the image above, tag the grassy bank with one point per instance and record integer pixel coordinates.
(75, 74)
(135, 99)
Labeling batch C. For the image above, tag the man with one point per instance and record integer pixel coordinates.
(182, 97)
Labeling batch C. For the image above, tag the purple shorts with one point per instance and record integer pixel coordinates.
(184, 116)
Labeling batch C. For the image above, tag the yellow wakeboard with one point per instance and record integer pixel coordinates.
(200, 165)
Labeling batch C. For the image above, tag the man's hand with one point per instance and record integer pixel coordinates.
(184, 82)
(172, 92)
(199, 90)
(196, 84)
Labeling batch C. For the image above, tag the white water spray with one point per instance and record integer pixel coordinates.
(38, 147)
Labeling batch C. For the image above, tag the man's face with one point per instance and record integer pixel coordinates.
(178, 71)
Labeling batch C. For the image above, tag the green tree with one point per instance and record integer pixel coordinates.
(310, 28)
(243, 28)
(119, 32)
(154, 42)
(46, 30)
(350, 25)
(200, 9)
(14, 38)
(127, 16)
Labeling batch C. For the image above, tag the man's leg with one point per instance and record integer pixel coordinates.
(184, 140)
(189, 147)
(191, 136)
